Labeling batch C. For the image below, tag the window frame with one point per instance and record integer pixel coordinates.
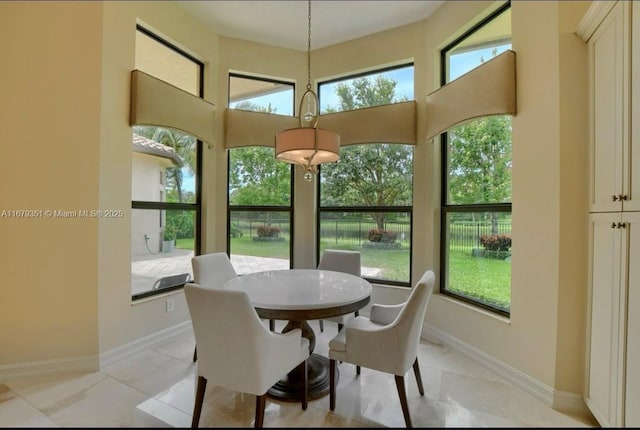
(445, 207)
(368, 209)
(197, 205)
(253, 208)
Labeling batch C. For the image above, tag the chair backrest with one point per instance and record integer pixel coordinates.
(340, 261)
(232, 341)
(410, 319)
(212, 270)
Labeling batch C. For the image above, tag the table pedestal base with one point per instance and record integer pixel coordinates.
(288, 388)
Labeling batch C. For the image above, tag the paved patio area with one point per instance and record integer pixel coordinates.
(148, 268)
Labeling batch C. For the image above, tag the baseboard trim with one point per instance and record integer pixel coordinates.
(47, 367)
(112, 356)
(559, 400)
(570, 402)
(91, 363)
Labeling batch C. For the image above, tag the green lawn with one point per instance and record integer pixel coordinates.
(484, 279)
(184, 243)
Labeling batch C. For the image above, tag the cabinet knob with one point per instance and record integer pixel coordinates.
(613, 225)
(622, 197)
(622, 225)
(615, 198)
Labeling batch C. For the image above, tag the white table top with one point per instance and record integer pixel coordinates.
(301, 289)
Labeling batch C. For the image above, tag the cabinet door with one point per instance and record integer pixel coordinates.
(632, 377)
(604, 388)
(608, 83)
(633, 191)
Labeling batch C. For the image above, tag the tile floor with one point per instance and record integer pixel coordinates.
(155, 388)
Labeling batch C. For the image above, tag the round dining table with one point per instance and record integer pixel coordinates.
(299, 295)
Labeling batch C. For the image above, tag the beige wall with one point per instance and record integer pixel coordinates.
(50, 132)
(573, 139)
(544, 337)
(77, 301)
(120, 321)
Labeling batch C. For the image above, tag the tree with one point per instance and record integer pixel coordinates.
(184, 146)
(370, 174)
(480, 162)
(256, 178)
(365, 92)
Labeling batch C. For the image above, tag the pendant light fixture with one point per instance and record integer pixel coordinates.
(308, 146)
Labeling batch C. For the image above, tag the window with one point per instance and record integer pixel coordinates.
(165, 185)
(365, 199)
(476, 197)
(260, 203)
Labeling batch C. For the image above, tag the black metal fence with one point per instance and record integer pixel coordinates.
(249, 227)
(356, 232)
(465, 236)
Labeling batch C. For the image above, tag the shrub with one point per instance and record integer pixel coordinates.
(385, 236)
(496, 242)
(236, 231)
(268, 231)
(169, 232)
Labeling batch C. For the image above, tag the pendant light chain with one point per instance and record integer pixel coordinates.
(309, 50)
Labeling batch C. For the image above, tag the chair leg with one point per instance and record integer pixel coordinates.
(302, 367)
(416, 371)
(272, 325)
(197, 407)
(403, 400)
(261, 401)
(332, 384)
(321, 325)
(195, 354)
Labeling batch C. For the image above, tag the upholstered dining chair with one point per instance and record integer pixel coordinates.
(387, 341)
(237, 351)
(339, 261)
(211, 271)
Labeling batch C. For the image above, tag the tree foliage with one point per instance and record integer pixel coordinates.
(184, 146)
(479, 162)
(365, 92)
(369, 174)
(256, 178)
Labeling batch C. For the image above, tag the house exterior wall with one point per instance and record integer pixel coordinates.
(146, 185)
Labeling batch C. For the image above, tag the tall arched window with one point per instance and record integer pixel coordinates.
(476, 197)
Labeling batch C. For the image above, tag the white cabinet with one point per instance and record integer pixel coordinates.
(608, 46)
(612, 392)
(613, 349)
(632, 352)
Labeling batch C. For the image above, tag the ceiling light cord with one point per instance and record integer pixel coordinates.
(309, 48)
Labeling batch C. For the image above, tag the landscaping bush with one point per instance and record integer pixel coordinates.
(268, 231)
(496, 242)
(496, 246)
(384, 236)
